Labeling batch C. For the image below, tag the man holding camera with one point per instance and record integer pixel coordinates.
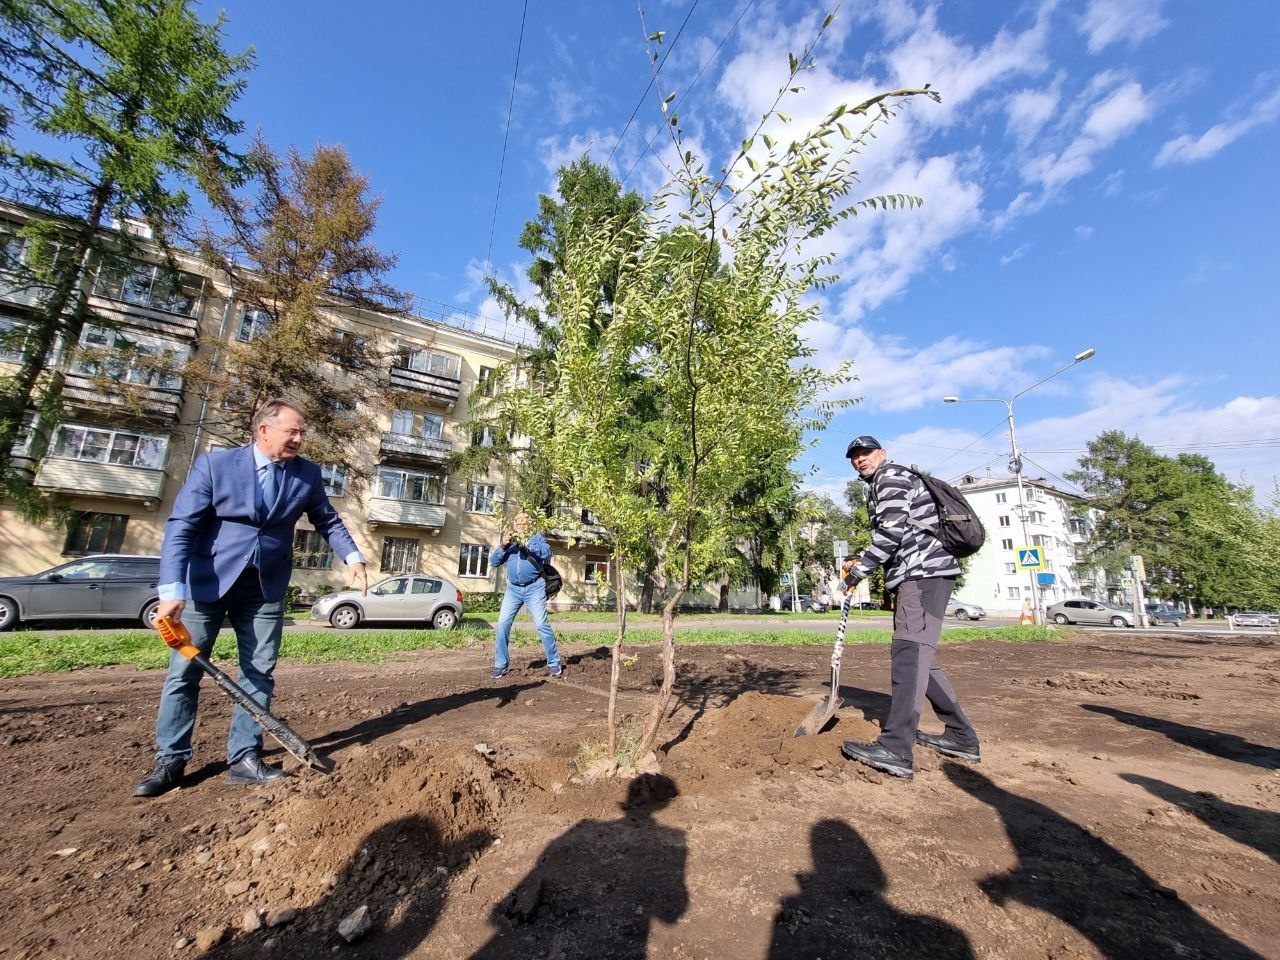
(525, 555)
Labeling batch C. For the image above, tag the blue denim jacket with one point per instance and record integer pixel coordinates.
(524, 561)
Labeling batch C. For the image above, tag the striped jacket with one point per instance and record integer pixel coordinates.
(902, 512)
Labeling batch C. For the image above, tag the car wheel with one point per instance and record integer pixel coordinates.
(444, 619)
(8, 613)
(1060, 619)
(345, 617)
(1119, 622)
(148, 617)
(962, 614)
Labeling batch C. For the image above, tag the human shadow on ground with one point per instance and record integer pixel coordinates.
(597, 890)
(366, 731)
(841, 909)
(402, 854)
(1066, 871)
(1255, 828)
(1228, 746)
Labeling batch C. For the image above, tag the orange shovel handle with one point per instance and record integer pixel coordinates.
(175, 634)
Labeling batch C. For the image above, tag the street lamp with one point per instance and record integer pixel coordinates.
(1015, 462)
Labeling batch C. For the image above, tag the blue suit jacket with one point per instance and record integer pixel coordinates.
(215, 526)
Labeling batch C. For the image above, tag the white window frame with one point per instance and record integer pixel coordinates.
(1006, 544)
(400, 552)
(480, 497)
(108, 442)
(334, 476)
(1005, 521)
(1002, 497)
(596, 571)
(1013, 593)
(431, 484)
(425, 360)
(138, 286)
(473, 560)
(116, 343)
(254, 322)
(13, 346)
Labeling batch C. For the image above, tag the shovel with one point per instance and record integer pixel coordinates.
(176, 635)
(826, 708)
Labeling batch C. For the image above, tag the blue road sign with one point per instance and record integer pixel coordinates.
(1030, 558)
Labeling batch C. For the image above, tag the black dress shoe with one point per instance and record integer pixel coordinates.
(948, 747)
(251, 769)
(163, 778)
(877, 757)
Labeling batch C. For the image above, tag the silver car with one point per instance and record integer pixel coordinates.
(1253, 618)
(107, 586)
(1091, 612)
(965, 611)
(406, 596)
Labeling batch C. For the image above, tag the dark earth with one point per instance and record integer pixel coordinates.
(1127, 805)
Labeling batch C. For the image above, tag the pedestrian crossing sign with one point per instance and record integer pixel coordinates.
(1030, 558)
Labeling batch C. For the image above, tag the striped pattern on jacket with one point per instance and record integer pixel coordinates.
(902, 512)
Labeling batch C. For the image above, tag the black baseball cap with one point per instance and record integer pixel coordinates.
(862, 443)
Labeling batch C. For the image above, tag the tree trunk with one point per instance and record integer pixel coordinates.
(723, 605)
(615, 669)
(646, 590)
(663, 698)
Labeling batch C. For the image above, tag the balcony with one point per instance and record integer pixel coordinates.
(406, 513)
(83, 393)
(441, 389)
(91, 478)
(407, 448)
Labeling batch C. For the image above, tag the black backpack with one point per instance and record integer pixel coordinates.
(552, 578)
(959, 530)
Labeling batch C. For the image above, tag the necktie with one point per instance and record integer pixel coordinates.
(270, 487)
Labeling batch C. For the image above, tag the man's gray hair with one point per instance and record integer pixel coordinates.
(271, 409)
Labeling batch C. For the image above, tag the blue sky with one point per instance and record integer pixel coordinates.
(1100, 174)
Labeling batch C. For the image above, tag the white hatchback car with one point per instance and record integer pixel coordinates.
(414, 597)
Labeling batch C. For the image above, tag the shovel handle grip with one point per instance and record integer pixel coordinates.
(175, 634)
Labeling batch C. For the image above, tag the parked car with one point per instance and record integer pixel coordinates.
(807, 604)
(109, 586)
(1254, 618)
(407, 596)
(963, 610)
(1091, 612)
(1159, 613)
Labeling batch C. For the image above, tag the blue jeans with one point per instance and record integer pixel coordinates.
(258, 624)
(534, 596)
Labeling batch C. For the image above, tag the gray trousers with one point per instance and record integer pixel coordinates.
(915, 674)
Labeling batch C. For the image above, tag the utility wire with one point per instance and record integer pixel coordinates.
(652, 79)
(502, 164)
(999, 423)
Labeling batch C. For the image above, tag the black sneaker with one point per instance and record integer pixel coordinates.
(877, 757)
(948, 747)
(164, 777)
(251, 770)
(499, 673)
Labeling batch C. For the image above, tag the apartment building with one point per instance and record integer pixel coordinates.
(993, 578)
(117, 467)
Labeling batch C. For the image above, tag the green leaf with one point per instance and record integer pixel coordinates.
(791, 59)
(657, 36)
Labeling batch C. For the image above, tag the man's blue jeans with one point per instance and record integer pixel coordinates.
(534, 596)
(258, 624)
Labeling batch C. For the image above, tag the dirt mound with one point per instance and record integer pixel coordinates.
(754, 736)
(1108, 686)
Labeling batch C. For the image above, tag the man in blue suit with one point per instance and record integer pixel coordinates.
(228, 552)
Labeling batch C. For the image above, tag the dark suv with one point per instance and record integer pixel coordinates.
(1159, 613)
(108, 586)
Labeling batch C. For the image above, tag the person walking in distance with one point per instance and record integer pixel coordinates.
(902, 514)
(228, 552)
(525, 554)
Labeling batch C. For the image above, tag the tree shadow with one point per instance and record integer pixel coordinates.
(841, 910)
(366, 731)
(1250, 826)
(402, 853)
(613, 878)
(1066, 871)
(1228, 746)
(712, 690)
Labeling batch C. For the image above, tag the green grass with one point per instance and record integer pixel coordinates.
(608, 616)
(33, 652)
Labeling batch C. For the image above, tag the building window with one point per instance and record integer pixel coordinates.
(13, 340)
(335, 479)
(1037, 516)
(483, 436)
(412, 486)
(399, 554)
(1014, 593)
(428, 361)
(432, 426)
(150, 285)
(1004, 520)
(597, 571)
(473, 560)
(1039, 540)
(402, 423)
(1010, 568)
(1001, 497)
(253, 324)
(486, 385)
(110, 446)
(1006, 544)
(130, 358)
(480, 499)
(95, 533)
(311, 550)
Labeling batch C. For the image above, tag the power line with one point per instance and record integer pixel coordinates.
(999, 423)
(652, 79)
(502, 164)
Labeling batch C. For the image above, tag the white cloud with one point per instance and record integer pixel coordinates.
(1015, 255)
(1084, 232)
(1192, 149)
(1113, 21)
(1028, 112)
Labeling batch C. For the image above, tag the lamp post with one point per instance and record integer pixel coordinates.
(1015, 461)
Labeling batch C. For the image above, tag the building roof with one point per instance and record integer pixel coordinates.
(971, 484)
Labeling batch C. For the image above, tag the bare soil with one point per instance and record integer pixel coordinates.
(1127, 805)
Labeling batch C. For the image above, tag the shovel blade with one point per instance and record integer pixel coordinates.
(819, 716)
